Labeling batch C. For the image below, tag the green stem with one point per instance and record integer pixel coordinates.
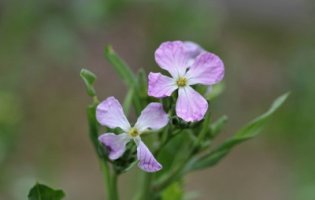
(180, 170)
(107, 179)
(144, 191)
(170, 177)
(114, 189)
(110, 179)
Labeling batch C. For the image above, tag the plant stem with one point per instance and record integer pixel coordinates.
(144, 191)
(110, 179)
(171, 177)
(114, 189)
(107, 179)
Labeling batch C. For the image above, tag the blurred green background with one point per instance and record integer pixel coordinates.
(268, 48)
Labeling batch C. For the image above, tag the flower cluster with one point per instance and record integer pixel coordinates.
(188, 64)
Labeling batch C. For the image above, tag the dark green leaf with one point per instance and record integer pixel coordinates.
(43, 192)
(248, 132)
(89, 79)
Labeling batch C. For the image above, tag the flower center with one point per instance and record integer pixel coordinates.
(133, 132)
(181, 82)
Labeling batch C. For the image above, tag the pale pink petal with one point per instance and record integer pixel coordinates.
(110, 113)
(147, 162)
(153, 117)
(172, 57)
(160, 86)
(207, 69)
(190, 105)
(115, 144)
(193, 49)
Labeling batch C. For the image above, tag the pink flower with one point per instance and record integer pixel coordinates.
(110, 113)
(186, 69)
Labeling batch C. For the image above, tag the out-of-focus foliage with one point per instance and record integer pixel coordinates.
(267, 46)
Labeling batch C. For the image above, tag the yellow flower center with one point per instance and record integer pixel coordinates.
(181, 82)
(133, 132)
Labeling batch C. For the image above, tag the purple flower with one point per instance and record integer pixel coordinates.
(188, 65)
(110, 113)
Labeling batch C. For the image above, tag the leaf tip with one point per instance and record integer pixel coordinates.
(108, 50)
(89, 79)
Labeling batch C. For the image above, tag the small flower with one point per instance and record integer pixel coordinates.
(188, 65)
(110, 113)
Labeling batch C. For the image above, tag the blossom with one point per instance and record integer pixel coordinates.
(188, 65)
(110, 113)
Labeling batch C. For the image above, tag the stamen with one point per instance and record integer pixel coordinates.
(133, 132)
(181, 82)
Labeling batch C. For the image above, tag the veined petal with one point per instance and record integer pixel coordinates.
(190, 105)
(115, 144)
(207, 69)
(193, 50)
(152, 117)
(110, 113)
(172, 57)
(147, 162)
(160, 86)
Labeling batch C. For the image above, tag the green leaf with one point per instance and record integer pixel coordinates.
(142, 85)
(128, 100)
(126, 74)
(93, 128)
(252, 128)
(120, 66)
(247, 132)
(173, 192)
(89, 79)
(43, 192)
(216, 127)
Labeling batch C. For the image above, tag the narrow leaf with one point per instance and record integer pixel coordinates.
(126, 75)
(216, 127)
(89, 79)
(128, 100)
(43, 192)
(249, 131)
(142, 84)
(122, 69)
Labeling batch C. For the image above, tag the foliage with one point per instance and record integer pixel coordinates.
(43, 192)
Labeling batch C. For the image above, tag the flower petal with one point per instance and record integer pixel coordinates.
(190, 105)
(172, 57)
(115, 144)
(152, 117)
(207, 69)
(193, 48)
(160, 86)
(147, 162)
(110, 113)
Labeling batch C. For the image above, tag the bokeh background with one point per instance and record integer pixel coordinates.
(268, 48)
